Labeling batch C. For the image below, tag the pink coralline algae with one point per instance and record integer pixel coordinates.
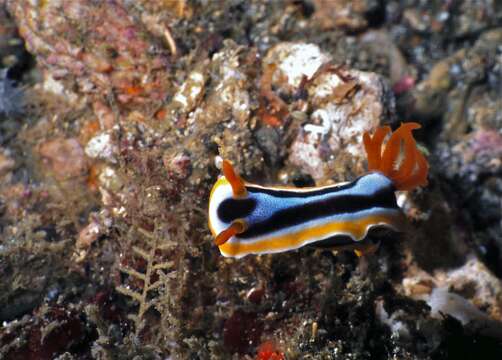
(64, 157)
(106, 53)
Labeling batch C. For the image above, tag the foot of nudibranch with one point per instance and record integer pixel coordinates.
(368, 248)
(364, 247)
(237, 227)
(235, 181)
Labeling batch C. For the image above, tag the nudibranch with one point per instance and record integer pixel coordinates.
(248, 219)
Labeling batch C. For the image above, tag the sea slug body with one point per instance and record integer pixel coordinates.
(247, 219)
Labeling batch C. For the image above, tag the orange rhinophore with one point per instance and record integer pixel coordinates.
(238, 188)
(401, 160)
(237, 227)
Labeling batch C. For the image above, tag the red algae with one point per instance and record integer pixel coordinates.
(268, 351)
(58, 331)
(241, 331)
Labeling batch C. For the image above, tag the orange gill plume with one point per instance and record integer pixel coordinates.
(412, 169)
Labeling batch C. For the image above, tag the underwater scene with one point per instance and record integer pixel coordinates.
(250, 179)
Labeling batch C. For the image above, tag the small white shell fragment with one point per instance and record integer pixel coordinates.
(295, 60)
(102, 146)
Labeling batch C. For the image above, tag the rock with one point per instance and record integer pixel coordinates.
(344, 104)
(241, 331)
(88, 235)
(6, 163)
(381, 44)
(178, 166)
(478, 154)
(292, 62)
(464, 87)
(231, 89)
(97, 225)
(477, 283)
(473, 281)
(471, 17)
(345, 14)
(457, 20)
(11, 97)
(104, 114)
(472, 166)
(65, 157)
(444, 302)
(114, 55)
(222, 119)
(189, 93)
(437, 237)
(397, 326)
(344, 110)
(57, 87)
